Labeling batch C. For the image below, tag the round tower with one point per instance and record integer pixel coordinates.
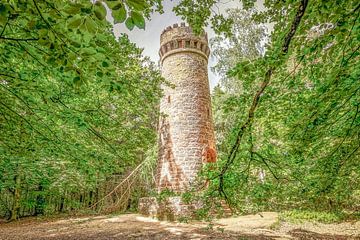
(186, 134)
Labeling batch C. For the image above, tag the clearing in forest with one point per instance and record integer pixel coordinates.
(133, 226)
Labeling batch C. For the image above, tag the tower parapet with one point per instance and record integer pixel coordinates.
(179, 38)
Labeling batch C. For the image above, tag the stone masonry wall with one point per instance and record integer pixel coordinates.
(186, 134)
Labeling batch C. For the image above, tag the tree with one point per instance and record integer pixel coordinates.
(72, 104)
(245, 43)
(301, 121)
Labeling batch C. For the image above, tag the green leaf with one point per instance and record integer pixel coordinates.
(138, 5)
(3, 20)
(74, 22)
(76, 80)
(100, 10)
(3, 9)
(119, 15)
(51, 36)
(130, 23)
(88, 51)
(139, 20)
(43, 33)
(114, 5)
(73, 9)
(105, 64)
(90, 25)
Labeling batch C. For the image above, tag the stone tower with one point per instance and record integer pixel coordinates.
(186, 134)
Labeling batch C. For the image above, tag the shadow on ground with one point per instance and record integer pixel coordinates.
(132, 226)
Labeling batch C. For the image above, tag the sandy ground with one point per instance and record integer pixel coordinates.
(133, 226)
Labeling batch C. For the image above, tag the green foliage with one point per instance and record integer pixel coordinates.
(72, 112)
(197, 13)
(314, 216)
(73, 118)
(243, 46)
(99, 10)
(302, 147)
(183, 219)
(186, 197)
(164, 194)
(132, 12)
(202, 214)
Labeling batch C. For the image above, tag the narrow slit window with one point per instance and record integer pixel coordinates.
(168, 99)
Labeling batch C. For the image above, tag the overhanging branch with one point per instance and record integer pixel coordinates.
(285, 47)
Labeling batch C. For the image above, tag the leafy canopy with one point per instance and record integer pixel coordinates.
(77, 105)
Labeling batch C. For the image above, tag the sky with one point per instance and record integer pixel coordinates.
(149, 39)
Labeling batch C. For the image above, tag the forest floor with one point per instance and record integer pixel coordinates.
(133, 226)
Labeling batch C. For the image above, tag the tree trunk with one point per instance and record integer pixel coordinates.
(91, 196)
(40, 202)
(61, 207)
(16, 200)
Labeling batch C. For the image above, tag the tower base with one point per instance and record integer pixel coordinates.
(170, 208)
(175, 209)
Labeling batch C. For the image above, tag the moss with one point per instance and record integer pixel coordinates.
(165, 194)
(187, 197)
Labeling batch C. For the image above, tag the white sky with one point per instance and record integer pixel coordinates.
(149, 39)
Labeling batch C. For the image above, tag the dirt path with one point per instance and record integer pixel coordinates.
(133, 226)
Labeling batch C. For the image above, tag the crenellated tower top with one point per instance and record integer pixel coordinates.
(180, 38)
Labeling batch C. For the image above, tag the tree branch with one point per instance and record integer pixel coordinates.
(285, 47)
(3, 30)
(267, 165)
(19, 39)
(294, 25)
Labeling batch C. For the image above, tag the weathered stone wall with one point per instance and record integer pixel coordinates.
(186, 134)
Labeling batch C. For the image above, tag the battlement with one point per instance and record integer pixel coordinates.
(180, 27)
(179, 38)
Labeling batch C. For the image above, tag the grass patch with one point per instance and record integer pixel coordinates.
(297, 216)
(276, 225)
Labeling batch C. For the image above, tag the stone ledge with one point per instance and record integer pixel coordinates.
(184, 50)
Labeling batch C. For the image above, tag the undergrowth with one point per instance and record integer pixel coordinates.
(296, 216)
